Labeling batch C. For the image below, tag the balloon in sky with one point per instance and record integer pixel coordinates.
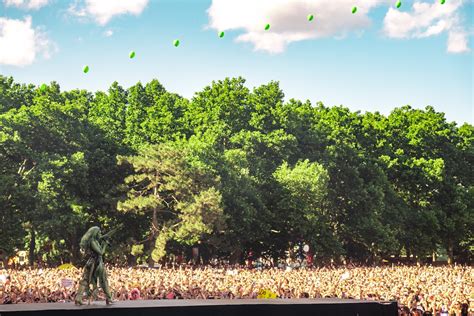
(85, 69)
(221, 34)
(310, 17)
(399, 4)
(132, 54)
(267, 27)
(43, 87)
(354, 10)
(176, 43)
(442, 1)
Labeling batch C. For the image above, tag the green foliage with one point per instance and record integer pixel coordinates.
(177, 190)
(302, 210)
(232, 168)
(306, 182)
(14, 95)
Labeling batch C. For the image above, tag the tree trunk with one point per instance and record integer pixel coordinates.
(450, 252)
(75, 251)
(31, 256)
(154, 230)
(236, 256)
(155, 221)
(131, 260)
(149, 246)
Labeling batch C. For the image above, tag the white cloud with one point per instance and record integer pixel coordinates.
(428, 19)
(102, 11)
(26, 4)
(20, 43)
(332, 18)
(457, 42)
(108, 33)
(287, 19)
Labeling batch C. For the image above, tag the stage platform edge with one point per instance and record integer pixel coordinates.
(270, 307)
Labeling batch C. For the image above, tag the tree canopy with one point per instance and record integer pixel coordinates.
(232, 169)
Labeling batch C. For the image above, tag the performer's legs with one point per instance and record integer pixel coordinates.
(92, 294)
(95, 288)
(104, 284)
(84, 283)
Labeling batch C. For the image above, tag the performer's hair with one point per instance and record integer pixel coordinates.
(88, 236)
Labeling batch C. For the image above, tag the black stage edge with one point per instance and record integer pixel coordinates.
(247, 307)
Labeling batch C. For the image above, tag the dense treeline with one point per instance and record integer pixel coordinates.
(232, 169)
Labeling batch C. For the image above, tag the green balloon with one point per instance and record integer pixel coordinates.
(399, 4)
(310, 17)
(221, 34)
(85, 69)
(354, 10)
(267, 27)
(442, 1)
(176, 43)
(132, 54)
(43, 87)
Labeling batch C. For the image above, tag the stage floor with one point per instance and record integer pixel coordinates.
(247, 307)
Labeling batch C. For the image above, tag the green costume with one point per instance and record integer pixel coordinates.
(94, 245)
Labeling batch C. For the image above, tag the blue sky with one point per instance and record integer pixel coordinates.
(370, 61)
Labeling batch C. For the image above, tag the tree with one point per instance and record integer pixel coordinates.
(357, 186)
(219, 111)
(266, 103)
(137, 103)
(175, 188)
(165, 119)
(15, 200)
(422, 164)
(108, 112)
(14, 95)
(239, 170)
(302, 209)
(455, 197)
(247, 217)
(66, 167)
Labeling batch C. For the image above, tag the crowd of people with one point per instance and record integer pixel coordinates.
(419, 290)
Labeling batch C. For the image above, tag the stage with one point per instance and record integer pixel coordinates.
(273, 307)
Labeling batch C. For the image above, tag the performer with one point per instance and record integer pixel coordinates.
(94, 244)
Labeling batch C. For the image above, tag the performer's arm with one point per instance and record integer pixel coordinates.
(97, 249)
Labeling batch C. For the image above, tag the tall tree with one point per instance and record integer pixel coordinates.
(108, 112)
(302, 210)
(175, 193)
